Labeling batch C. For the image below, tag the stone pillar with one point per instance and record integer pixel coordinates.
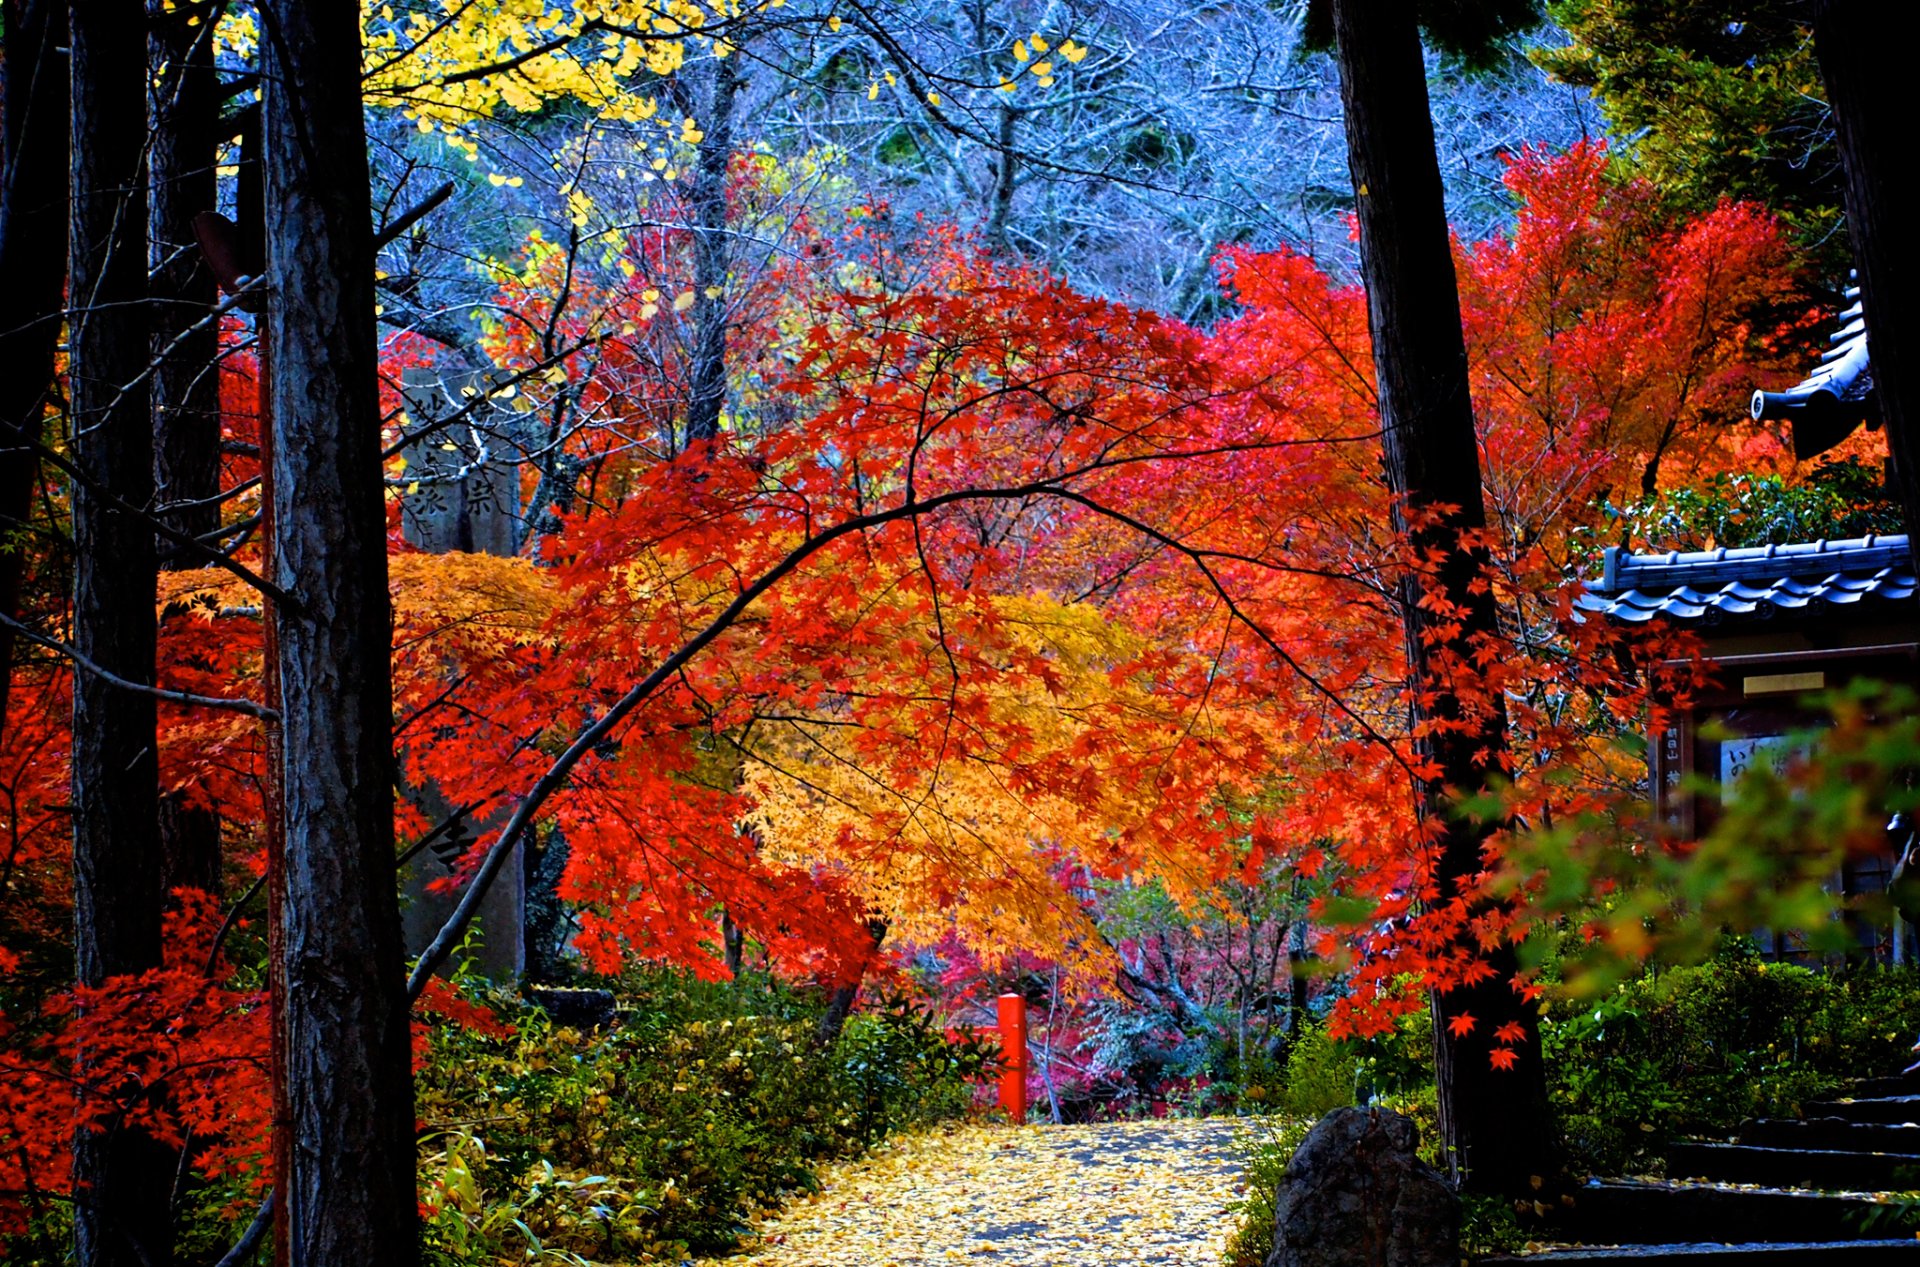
(462, 494)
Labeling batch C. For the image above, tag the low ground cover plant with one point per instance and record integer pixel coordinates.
(657, 1136)
(1676, 1053)
(1693, 1051)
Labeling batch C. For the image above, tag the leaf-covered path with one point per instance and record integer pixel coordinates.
(1037, 1196)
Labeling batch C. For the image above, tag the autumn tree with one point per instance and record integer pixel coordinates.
(121, 1214)
(348, 1190)
(1495, 1121)
(1714, 100)
(1124, 142)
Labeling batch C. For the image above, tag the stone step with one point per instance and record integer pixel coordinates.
(1898, 1084)
(1796, 1167)
(1882, 1253)
(1831, 1133)
(1645, 1212)
(1892, 1109)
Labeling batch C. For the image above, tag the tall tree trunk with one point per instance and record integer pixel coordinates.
(33, 260)
(712, 257)
(1000, 209)
(1863, 53)
(841, 998)
(348, 1194)
(183, 118)
(121, 1176)
(733, 942)
(1496, 1124)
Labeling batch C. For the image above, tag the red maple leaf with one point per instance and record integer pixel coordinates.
(1503, 1057)
(1461, 1025)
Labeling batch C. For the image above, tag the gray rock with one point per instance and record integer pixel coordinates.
(1356, 1194)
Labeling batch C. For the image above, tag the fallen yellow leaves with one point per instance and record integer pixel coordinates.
(1035, 1196)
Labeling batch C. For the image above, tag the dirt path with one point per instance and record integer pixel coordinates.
(1038, 1196)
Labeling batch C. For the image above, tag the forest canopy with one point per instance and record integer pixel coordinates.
(853, 496)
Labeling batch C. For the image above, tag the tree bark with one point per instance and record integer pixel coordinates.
(1863, 51)
(183, 119)
(841, 998)
(712, 258)
(733, 942)
(33, 259)
(1496, 1124)
(348, 1193)
(1000, 210)
(121, 1175)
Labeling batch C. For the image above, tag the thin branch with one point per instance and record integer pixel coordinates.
(168, 694)
(413, 215)
(242, 1251)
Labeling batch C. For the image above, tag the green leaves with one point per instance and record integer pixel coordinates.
(1611, 894)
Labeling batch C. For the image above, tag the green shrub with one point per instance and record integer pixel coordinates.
(1268, 1146)
(1693, 1051)
(659, 1137)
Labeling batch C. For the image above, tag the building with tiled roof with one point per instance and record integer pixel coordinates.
(1865, 579)
(1829, 404)
(1782, 622)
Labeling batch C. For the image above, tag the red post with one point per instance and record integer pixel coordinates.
(1013, 1050)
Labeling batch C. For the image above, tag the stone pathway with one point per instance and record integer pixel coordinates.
(1036, 1196)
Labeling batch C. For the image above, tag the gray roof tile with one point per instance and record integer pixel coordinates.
(1753, 583)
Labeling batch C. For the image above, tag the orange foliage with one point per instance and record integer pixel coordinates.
(993, 587)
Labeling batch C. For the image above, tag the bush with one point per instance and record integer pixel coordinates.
(1269, 1145)
(1693, 1051)
(660, 1136)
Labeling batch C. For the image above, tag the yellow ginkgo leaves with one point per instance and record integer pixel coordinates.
(1036, 46)
(1065, 1196)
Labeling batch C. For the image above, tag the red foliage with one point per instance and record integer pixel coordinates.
(925, 439)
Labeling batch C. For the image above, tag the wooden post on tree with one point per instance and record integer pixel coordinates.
(1013, 1051)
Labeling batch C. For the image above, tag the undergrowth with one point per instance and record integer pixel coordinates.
(1676, 1053)
(658, 1137)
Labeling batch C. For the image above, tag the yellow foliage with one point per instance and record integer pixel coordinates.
(964, 833)
(449, 64)
(486, 601)
(1118, 1192)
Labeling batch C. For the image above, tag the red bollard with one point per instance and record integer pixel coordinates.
(1013, 1050)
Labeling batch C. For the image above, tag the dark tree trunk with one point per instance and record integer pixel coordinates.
(1000, 212)
(348, 1194)
(733, 942)
(712, 258)
(547, 922)
(841, 998)
(1864, 50)
(33, 260)
(183, 118)
(1496, 1124)
(121, 1176)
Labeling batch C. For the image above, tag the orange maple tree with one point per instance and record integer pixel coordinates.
(986, 587)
